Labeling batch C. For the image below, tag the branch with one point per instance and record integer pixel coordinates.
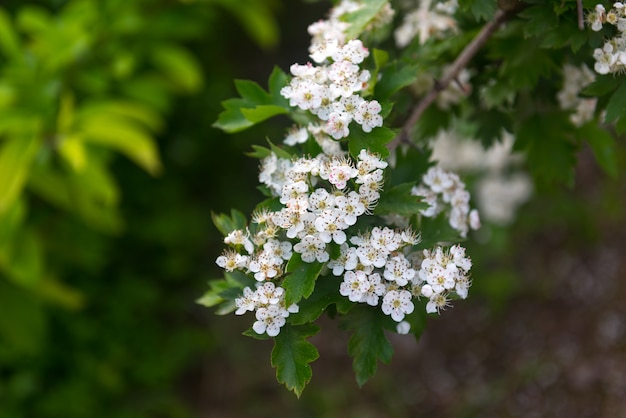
(451, 74)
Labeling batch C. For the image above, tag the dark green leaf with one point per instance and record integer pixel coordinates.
(359, 19)
(300, 280)
(399, 200)
(603, 146)
(326, 293)
(292, 354)
(616, 108)
(603, 84)
(226, 224)
(368, 342)
(394, 78)
(374, 141)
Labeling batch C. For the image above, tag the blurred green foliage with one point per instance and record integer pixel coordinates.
(107, 168)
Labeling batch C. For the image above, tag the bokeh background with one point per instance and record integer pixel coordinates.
(111, 328)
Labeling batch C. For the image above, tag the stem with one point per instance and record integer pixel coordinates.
(451, 74)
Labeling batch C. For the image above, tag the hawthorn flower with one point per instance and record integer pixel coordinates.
(312, 248)
(269, 320)
(375, 290)
(368, 116)
(397, 303)
(354, 285)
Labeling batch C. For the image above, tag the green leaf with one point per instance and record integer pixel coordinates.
(374, 141)
(23, 324)
(359, 19)
(300, 280)
(16, 156)
(436, 231)
(123, 136)
(481, 9)
(212, 297)
(326, 293)
(254, 106)
(227, 224)
(179, 66)
(368, 342)
(603, 147)
(616, 108)
(9, 41)
(603, 84)
(257, 19)
(263, 112)
(292, 354)
(547, 140)
(398, 199)
(278, 79)
(395, 77)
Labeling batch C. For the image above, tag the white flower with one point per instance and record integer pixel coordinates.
(354, 285)
(375, 289)
(269, 320)
(367, 115)
(398, 270)
(312, 248)
(397, 303)
(337, 125)
(437, 302)
(246, 302)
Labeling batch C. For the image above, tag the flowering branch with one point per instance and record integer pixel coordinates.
(451, 74)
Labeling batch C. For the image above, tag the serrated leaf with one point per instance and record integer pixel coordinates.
(374, 141)
(292, 355)
(300, 280)
(437, 231)
(399, 200)
(278, 79)
(326, 293)
(368, 343)
(252, 334)
(212, 296)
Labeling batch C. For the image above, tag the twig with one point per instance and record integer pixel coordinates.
(451, 74)
(581, 17)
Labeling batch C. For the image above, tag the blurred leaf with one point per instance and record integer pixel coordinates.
(127, 138)
(603, 146)
(24, 265)
(481, 9)
(360, 18)
(23, 323)
(547, 140)
(292, 354)
(61, 294)
(9, 42)
(368, 342)
(300, 279)
(33, 19)
(256, 18)
(603, 84)
(616, 108)
(16, 156)
(181, 68)
(72, 149)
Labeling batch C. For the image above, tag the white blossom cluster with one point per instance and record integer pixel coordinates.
(611, 58)
(501, 186)
(444, 190)
(575, 79)
(331, 90)
(322, 198)
(426, 21)
(269, 303)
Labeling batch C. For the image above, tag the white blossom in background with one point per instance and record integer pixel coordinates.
(426, 21)
(611, 58)
(575, 79)
(501, 187)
